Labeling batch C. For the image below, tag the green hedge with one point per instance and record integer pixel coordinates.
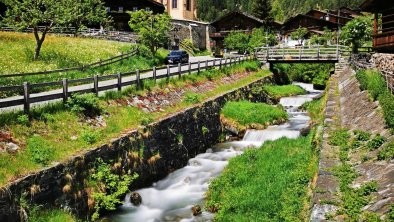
(373, 81)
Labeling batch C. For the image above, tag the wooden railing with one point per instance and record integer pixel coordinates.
(313, 53)
(98, 84)
(100, 63)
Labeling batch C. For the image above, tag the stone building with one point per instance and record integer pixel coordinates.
(181, 9)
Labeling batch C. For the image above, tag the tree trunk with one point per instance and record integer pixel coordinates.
(39, 41)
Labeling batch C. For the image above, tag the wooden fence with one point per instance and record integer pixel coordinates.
(116, 81)
(100, 63)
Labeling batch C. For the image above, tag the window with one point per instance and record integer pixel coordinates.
(174, 3)
(120, 9)
(135, 9)
(188, 5)
(147, 9)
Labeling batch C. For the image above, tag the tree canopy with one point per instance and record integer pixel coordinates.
(356, 32)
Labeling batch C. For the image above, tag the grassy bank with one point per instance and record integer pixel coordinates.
(65, 52)
(55, 132)
(266, 184)
(253, 115)
(278, 92)
(373, 81)
(44, 215)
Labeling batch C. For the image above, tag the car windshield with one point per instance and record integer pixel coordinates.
(173, 53)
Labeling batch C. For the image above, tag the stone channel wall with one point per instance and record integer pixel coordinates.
(176, 138)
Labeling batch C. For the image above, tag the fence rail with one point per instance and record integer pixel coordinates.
(100, 63)
(312, 53)
(98, 84)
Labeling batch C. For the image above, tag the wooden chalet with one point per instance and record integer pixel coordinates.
(236, 21)
(118, 10)
(383, 35)
(315, 21)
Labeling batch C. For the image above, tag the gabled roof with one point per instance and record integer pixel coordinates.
(234, 13)
(308, 17)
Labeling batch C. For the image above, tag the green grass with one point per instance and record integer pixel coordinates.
(64, 52)
(278, 92)
(373, 81)
(54, 215)
(247, 113)
(265, 184)
(66, 133)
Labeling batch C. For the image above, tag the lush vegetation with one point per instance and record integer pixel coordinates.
(51, 13)
(318, 74)
(243, 42)
(59, 131)
(248, 114)
(37, 214)
(277, 92)
(208, 10)
(152, 28)
(268, 184)
(357, 32)
(373, 81)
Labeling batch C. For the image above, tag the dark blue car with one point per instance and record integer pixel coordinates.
(177, 56)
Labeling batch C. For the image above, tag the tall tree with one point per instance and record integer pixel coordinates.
(262, 10)
(357, 32)
(42, 16)
(152, 29)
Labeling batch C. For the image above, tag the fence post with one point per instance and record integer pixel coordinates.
(179, 70)
(154, 74)
(300, 53)
(206, 64)
(168, 72)
(65, 90)
(199, 68)
(26, 97)
(190, 68)
(96, 84)
(138, 78)
(318, 52)
(220, 66)
(119, 82)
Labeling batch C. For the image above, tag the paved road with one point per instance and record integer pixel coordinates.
(160, 72)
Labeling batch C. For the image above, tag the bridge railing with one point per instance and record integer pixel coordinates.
(317, 52)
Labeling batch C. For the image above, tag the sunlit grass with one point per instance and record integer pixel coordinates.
(278, 92)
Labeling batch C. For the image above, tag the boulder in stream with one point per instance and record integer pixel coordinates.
(196, 210)
(135, 199)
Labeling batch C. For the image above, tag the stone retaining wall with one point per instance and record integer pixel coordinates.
(65, 184)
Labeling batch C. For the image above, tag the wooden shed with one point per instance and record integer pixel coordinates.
(383, 35)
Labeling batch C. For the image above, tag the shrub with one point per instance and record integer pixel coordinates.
(362, 79)
(88, 104)
(386, 100)
(387, 153)
(23, 119)
(339, 137)
(376, 85)
(40, 150)
(361, 135)
(376, 142)
(192, 98)
(90, 137)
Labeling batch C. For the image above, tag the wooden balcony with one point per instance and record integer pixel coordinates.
(384, 41)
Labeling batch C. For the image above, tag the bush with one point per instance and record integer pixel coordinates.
(339, 137)
(23, 119)
(88, 104)
(192, 98)
(40, 150)
(90, 137)
(361, 135)
(387, 153)
(386, 100)
(376, 142)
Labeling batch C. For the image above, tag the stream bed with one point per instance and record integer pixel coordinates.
(171, 199)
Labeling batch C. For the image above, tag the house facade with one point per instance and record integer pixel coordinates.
(383, 34)
(118, 9)
(181, 9)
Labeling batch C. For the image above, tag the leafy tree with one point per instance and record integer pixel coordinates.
(237, 40)
(299, 34)
(260, 38)
(87, 12)
(23, 14)
(262, 10)
(356, 32)
(152, 29)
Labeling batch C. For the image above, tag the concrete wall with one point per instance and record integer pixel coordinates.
(48, 187)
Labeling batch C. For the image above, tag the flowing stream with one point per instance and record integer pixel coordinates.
(171, 199)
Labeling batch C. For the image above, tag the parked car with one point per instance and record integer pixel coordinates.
(177, 56)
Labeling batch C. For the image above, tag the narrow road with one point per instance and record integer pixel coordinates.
(159, 72)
